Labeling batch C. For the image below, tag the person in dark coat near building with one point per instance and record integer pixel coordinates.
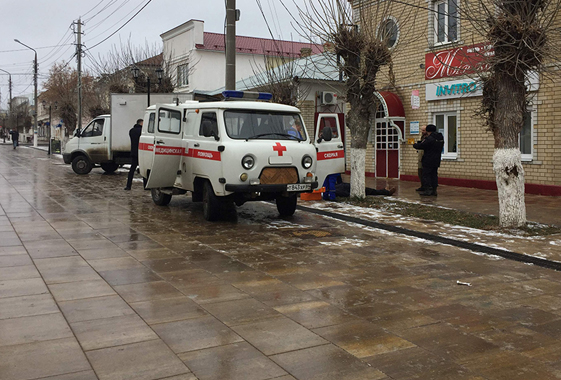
(134, 134)
(432, 151)
(420, 160)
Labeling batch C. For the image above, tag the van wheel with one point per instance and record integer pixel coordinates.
(159, 198)
(211, 204)
(286, 206)
(81, 165)
(110, 167)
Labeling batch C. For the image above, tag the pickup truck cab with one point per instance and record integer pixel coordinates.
(229, 152)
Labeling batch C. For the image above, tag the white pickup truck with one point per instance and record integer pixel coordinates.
(229, 152)
(105, 140)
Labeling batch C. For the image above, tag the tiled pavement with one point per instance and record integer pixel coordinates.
(98, 283)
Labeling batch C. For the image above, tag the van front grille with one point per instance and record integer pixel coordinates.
(274, 176)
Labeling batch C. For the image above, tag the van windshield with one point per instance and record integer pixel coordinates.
(247, 125)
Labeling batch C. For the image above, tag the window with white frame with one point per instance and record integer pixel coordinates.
(447, 124)
(445, 21)
(526, 137)
(182, 75)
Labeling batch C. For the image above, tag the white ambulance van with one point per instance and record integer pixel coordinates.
(229, 152)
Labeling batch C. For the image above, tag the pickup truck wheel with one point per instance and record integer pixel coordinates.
(286, 206)
(211, 204)
(159, 198)
(110, 167)
(81, 165)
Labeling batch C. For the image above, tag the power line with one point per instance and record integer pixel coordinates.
(97, 5)
(39, 48)
(116, 23)
(121, 27)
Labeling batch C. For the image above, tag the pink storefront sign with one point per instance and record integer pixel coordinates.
(458, 61)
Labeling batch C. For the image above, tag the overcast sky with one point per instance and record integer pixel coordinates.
(45, 25)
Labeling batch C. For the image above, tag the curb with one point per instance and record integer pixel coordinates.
(506, 254)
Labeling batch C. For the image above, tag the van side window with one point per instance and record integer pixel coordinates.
(209, 122)
(151, 122)
(170, 122)
(94, 129)
(330, 122)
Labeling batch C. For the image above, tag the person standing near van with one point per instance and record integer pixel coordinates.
(432, 150)
(134, 135)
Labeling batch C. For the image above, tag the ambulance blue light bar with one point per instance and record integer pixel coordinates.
(247, 95)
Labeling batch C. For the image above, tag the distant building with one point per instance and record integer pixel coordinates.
(196, 59)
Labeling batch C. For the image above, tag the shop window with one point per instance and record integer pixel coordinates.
(445, 21)
(526, 137)
(447, 124)
(182, 75)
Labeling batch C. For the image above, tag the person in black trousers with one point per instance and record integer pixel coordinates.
(15, 137)
(134, 134)
(432, 151)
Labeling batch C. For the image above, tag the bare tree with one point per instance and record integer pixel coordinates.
(61, 87)
(524, 39)
(113, 72)
(357, 33)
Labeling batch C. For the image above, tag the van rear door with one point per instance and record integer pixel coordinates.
(330, 154)
(168, 148)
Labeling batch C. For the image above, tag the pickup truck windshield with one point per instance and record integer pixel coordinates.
(247, 125)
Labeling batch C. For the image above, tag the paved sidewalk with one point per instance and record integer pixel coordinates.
(99, 283)
(539, 208)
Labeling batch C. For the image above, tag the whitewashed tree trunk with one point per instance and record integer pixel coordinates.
(358, 170)
(509, 173)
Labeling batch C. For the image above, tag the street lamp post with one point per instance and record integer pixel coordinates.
(9, 105)
(135, 71)
(50, 125)
(35, 95)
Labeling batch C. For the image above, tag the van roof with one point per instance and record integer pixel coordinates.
(237, 104)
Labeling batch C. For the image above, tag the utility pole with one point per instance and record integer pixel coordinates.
(35, 67)
(79, 59)
(230, 44)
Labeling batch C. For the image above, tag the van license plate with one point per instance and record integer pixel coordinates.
(299, 187)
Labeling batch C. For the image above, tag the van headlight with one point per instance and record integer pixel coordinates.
(307, 162)
(248, 162)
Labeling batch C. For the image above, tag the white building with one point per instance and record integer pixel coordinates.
(197, 59)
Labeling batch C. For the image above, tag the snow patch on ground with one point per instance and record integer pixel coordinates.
(353, 242)
(538, 246)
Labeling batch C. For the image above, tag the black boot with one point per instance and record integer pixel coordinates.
(428, 191)
(420, 189)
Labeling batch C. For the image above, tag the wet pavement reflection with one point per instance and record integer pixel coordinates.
(99, 283)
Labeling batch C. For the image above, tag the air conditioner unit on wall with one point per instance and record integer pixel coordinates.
(328, 97)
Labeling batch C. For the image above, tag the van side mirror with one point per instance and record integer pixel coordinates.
(326, 134)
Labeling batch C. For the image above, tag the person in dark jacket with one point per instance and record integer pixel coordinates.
(432, 151)
(343, 189)
(420, 160)
(15, 137)
(134, 134)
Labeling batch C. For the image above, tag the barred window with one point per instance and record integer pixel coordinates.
(182, 75)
